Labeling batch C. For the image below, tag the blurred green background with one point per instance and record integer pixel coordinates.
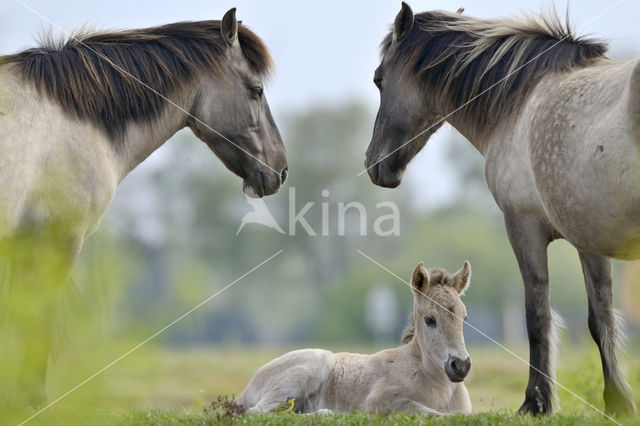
(169, 242)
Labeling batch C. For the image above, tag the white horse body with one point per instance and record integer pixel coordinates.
(592, 115)
(44, 173)
(345, 382)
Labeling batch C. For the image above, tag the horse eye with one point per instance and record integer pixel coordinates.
(256, 92)
(430, 321)
(378, 83)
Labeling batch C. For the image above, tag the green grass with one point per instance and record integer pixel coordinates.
(171, 418)
(172, 387)
(176, 418)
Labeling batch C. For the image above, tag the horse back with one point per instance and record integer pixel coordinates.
(53, 167)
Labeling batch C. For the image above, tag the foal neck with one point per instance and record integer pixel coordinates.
(432, 372)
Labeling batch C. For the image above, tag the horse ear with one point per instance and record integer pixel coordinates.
(229, 27)
(420, 279)
(409, 331)
(462, 278)
(403, 23)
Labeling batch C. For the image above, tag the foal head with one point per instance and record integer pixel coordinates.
(245, 138)
(438, 318)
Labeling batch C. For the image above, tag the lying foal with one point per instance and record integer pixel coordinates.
(425, 375)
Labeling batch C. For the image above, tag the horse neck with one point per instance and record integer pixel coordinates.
(143, 138)
(459, 119)
(432, 373)
(463, 125)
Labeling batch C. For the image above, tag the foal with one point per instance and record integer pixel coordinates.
(424, 375)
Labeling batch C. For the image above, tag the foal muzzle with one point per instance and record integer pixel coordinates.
(457, 368)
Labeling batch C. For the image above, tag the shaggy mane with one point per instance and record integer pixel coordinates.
(437, 276)
(167, 57)
(461, 57)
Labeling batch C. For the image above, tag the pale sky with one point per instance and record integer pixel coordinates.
(325, 52)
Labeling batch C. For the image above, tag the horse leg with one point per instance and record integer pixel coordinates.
(606, 333)
(529, 240)
(42, 267)
(386, 402)
(270, 402)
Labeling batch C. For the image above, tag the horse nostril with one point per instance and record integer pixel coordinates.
(457, 369)
(283, 176)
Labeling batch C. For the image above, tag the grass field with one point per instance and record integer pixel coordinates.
(169, 387)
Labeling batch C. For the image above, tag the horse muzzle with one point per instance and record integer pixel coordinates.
(457, 368)
(381, 175)
(263, 183)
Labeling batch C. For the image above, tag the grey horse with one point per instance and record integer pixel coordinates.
(557, 123)
(77, 117)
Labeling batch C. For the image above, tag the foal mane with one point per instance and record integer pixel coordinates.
(76, 75)
(460, 57)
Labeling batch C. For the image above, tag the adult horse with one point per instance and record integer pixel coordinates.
(557, 123)
(77, 117)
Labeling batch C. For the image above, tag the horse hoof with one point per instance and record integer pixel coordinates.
(619, 405)
(535, 408)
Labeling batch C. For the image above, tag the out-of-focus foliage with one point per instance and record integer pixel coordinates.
(173, 385)
(170, 242)
(177, 222)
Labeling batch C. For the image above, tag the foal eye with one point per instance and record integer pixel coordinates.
(430, 321)
(256, 92)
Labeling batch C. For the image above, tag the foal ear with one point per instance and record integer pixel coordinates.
(462, 278)
(403, 23)
(420, 279)
(229, 27)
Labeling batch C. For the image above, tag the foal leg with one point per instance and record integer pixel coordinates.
(603, 328)
(529, 240)
(386, 402)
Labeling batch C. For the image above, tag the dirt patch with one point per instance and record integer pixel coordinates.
(224, 408)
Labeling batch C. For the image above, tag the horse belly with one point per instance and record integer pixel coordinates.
(589, 183)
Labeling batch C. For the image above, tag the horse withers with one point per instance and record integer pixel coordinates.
(424, 375)
(77, 117)
(557, 122)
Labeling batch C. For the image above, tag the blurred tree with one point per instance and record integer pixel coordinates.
(179, 217)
